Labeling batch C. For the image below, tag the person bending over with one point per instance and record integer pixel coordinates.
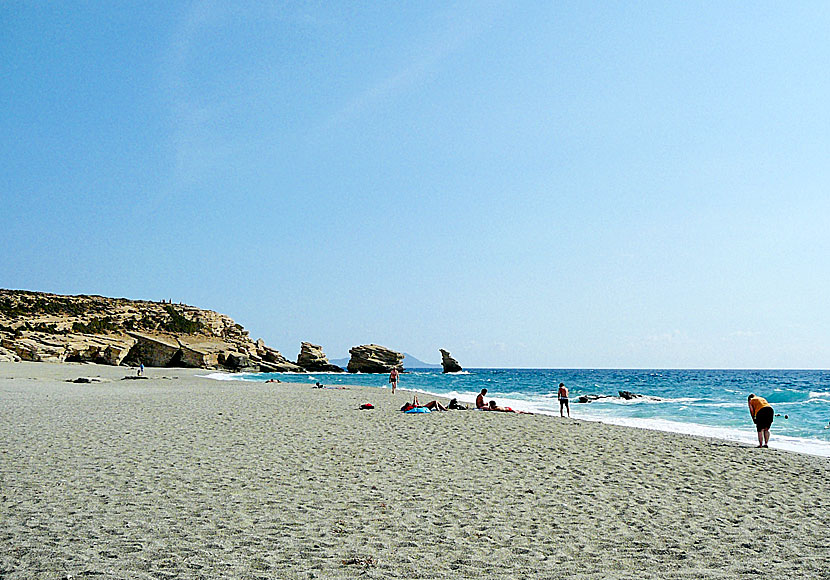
(762, 415)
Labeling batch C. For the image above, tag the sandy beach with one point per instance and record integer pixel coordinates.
(180, 476)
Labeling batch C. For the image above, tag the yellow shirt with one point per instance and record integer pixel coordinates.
(756, 404)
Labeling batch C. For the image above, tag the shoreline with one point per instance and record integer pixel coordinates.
(182, 476)
(743, 436)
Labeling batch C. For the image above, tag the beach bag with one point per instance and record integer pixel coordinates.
(455, 405)
(366, 406)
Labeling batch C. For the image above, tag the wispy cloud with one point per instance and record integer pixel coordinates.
(664, 338)
(191, 117)
(462, 25)
(741, 334)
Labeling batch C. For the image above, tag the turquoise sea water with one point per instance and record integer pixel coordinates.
(698, 402)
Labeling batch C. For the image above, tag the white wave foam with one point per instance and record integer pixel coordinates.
(819, 395)
(747, 436)
(226, 377)
(684, 400)
(726, 405)
(641, 400)
(543, 405)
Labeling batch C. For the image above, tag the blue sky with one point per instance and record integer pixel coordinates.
(559, 184)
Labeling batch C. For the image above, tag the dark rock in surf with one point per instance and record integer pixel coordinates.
(628, 395)
(591, 398)
(449, 364)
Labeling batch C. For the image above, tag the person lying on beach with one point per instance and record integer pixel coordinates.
(480, 400)
(494, 407)
(432, 405)
(322, 386)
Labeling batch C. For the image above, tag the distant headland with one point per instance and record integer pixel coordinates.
(42, 327)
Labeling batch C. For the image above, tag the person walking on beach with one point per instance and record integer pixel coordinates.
(480, 399)
(762, 415)
(563, 400)
(393, 379)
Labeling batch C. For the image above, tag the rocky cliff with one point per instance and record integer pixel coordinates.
(42, 327)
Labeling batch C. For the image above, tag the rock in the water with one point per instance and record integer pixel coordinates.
(450, 364)
(372, 358)
(628, 395)
(312, 358)
(590, 398)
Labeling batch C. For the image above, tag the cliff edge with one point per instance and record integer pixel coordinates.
(41, 327)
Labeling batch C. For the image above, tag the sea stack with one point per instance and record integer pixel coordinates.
(450, 364)
(372, 358)
(313, 359)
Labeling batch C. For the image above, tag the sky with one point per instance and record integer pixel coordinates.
(525, 184)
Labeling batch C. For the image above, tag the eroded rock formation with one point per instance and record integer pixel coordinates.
(8, 356)
(372, 358)
(449, 364)
(313, 359)
(40, 327)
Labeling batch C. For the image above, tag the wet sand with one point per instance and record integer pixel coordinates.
(179, 476)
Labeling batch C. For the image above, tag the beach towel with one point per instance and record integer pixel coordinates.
(417, 410)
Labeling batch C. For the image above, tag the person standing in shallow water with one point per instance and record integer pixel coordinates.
(564, 402)
(393, 379)
(762, 415)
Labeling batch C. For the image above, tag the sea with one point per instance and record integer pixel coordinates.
(710, 403)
